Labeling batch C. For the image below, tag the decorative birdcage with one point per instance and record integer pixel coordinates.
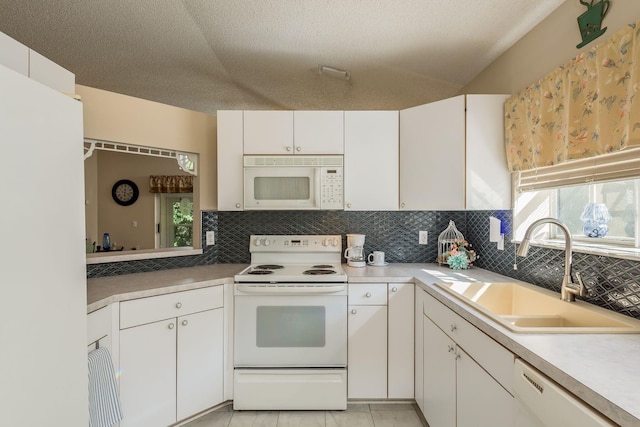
(446, 240)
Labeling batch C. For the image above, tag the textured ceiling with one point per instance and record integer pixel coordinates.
(207, 55)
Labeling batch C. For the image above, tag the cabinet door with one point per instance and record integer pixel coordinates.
(401, 345)
(230, 151)
(14, 55)
(367, 349)
(418, 346)
(439, 377)
(371, 160)
(268, 132)
(49, 73)
(488, 180)
(148, 374)
(200, 362)
(432, 156)
(318, 132)
(481, 400)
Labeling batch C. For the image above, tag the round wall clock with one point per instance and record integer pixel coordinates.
(125, 192)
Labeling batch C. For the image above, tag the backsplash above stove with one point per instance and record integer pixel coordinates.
(613, 283)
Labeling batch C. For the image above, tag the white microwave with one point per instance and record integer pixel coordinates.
(293, 182)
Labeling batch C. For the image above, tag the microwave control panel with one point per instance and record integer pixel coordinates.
(331, 188)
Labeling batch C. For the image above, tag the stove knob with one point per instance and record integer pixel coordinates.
(325, 242)
(335, 242)
(266, 242)
(257, 242)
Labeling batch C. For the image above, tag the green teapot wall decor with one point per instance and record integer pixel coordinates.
(590, 22)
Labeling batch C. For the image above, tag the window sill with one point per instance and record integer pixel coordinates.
(629, 253)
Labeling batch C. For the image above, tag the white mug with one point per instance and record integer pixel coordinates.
(376, 258)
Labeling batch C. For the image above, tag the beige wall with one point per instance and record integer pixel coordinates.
(116, 219)
(113, 117)
(549, 45)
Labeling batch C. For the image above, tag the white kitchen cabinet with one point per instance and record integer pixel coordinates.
(268, 132)
(367, 341)
(465, 373)
(400, 337)
(230, 152)
(371, 176)
(367, 352)
(171, 368)
(148, 374)
(200, 362)
(380, 341)
(452, 155)
(419, 348)
(318, 132)
(439, 377)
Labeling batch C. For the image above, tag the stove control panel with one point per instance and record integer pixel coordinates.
(310, 243)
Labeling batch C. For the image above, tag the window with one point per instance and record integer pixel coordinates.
(175, 228)
(572, 190)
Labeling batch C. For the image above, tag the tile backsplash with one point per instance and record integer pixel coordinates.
(612, 283)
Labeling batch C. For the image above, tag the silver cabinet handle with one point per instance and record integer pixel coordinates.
(453, 328)
(237, 205)
(402, 205)
(349, 205)
(368, 295)
(171, 326)
(179, 305)
(354, 311)
(298, 148)
(394, 289)
(288, 148)
(185, 323)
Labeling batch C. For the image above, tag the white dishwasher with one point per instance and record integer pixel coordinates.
(540, 402)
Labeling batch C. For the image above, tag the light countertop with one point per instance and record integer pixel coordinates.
(601, 369)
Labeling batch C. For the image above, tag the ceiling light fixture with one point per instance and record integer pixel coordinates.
(333, 72)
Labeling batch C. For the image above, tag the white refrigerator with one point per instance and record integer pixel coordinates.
(43, 351)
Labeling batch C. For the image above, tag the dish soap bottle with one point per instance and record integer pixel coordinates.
(106, 242)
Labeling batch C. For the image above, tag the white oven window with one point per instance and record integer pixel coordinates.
(282, 188)
(290, 326)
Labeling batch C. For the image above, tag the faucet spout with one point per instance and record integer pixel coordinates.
(568, 289)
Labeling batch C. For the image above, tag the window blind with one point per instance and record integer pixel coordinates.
(615, 166)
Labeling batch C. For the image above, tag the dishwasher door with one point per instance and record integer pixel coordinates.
(540, 402)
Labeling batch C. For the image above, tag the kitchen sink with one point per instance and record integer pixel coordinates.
(526, 308)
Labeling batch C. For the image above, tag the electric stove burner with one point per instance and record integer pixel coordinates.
(323, 266)
(318, 272)
(260, 272)
(269, 267)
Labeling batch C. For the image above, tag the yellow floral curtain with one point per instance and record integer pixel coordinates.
(585, 108)
(171, 184)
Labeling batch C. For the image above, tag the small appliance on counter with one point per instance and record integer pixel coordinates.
(355, 251)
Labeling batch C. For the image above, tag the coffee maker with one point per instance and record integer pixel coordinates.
(355, 251)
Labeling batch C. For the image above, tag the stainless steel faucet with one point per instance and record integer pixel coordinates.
(568, 289)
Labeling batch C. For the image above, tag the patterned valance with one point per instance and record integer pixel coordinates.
(585, 108)
(171, 184)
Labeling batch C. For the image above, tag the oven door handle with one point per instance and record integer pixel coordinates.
(294, 290)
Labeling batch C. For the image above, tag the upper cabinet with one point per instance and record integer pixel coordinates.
(293, 132)
(371, 160)
(230, 176)
(452, 155)
(20, 58)
(318, 132)
(268, 132)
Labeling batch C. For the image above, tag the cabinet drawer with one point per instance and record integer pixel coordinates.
(367, 294)
(495, 359)
(152, 309)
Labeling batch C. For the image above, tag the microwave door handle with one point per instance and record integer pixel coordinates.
(318, 188)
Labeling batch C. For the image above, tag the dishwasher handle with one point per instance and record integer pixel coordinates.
(290, 290)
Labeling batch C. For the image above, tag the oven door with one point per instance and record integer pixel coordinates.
(281, 188)
(291, 326)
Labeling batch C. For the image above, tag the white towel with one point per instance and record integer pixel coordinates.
(104, 402)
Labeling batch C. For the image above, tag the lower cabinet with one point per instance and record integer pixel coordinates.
(380, 342)
(172, 368)
(465, 378)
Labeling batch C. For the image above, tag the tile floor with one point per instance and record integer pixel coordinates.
(356, 415)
